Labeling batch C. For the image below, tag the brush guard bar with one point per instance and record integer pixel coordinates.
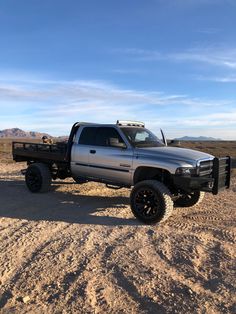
(221, 173)
(218, 179)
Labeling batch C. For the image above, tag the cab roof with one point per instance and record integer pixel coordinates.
(119, 123)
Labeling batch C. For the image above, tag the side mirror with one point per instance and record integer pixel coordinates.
(174, 143)
(114, 142)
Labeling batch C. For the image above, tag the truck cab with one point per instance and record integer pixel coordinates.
(102, 153)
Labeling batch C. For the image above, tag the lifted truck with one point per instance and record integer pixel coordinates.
(126, 154)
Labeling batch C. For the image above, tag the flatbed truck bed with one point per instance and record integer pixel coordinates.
(41, 152)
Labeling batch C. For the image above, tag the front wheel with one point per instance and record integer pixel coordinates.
(190, 199)
(151, 201)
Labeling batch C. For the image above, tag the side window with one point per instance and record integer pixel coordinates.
(107, 136)
(88, 136)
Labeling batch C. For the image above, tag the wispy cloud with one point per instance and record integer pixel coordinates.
(224, 58)
(213, 125)
(209, 30)
(223, 79)
(190, 4)
(81, 96)
(216, 56)
(52, 106)
(215, 119)
(202, 120)
(129, 71)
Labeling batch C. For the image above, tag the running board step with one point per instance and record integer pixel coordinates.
(114, 187)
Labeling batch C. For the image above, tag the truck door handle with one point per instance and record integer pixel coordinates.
(92, 151)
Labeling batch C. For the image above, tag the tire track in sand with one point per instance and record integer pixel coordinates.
(26, 262)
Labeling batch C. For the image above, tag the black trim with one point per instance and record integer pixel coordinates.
(221, 173)
(189, 184)
(220, 178)
(125, 165)
(101, 167)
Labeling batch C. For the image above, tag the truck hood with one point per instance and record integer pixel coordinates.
(173, 153)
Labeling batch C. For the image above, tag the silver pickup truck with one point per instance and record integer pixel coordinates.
(126, 154)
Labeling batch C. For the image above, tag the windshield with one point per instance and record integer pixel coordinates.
(141, 137)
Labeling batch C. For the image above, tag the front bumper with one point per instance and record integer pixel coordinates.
(219, 179)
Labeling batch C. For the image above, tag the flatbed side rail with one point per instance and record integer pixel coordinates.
(221, 173)
(26, 150)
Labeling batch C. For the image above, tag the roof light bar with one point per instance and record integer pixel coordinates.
(130, 123)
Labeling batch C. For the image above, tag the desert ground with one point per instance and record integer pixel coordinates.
(78, 249)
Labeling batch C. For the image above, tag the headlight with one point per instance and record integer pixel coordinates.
(185, 171)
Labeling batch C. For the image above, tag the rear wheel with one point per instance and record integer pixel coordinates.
(151, 201)
(190, 199)
(38, 178)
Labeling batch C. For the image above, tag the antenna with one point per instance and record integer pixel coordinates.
(163, 138)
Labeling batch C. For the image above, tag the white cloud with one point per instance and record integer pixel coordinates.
(220, 119)
(219, 125)
(219, 79)
(91, 93)
(209, 30)
(217, 56)
(53, 106)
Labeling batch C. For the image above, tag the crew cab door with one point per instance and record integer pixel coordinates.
(109, 157)
(80, 153)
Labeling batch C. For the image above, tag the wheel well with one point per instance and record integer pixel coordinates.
(150, 173)
(57, 169)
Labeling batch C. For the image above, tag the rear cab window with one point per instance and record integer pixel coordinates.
(88, 136)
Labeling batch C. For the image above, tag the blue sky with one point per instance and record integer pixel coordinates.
(170, 63)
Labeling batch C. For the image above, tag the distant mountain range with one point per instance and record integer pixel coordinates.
(18, 133)
(197, 139)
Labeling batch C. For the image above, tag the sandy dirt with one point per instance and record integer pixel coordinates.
(78, 249)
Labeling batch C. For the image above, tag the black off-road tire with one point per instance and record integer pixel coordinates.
(189, 200)
(151, 202)
(38, 178)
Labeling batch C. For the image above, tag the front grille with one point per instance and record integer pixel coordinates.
(205, 168)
